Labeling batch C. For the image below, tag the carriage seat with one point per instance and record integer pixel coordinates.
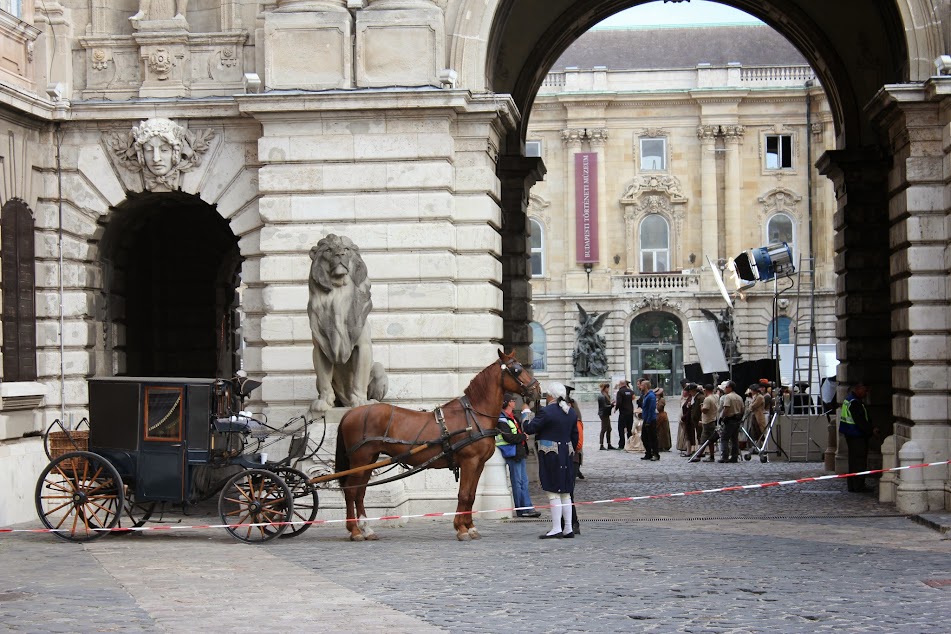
(242, 423)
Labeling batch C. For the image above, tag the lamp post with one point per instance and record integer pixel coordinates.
(588, 267)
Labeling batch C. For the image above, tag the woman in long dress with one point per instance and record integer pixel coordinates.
(663, 428)
(556, 434)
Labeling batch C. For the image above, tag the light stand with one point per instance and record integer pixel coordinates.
(774, 344)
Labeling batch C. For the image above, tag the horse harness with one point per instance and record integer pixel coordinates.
(473, 430)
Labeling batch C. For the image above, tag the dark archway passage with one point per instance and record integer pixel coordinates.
(170, 272)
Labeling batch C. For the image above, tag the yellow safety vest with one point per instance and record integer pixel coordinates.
(846, 421)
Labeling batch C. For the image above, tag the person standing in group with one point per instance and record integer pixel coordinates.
(511, 442)
(556, 434)
(649, 416)
(708, 421)
(731, 411)
(663, 429)
(685, 434)
(696, 415)
(624, 405)
(855, 425)
(605, 405)
(758, 411)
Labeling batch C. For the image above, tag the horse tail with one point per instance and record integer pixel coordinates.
(342, 458)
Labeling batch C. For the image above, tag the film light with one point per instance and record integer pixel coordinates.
(765, 263)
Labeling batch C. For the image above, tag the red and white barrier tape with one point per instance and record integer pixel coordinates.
(638, 498)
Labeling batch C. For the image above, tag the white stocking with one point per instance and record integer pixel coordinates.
(566, 511)
(554, 499)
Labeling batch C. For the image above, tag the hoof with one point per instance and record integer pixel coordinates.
(463, 537)
(356, 538)
(371, 537)
(474, 533)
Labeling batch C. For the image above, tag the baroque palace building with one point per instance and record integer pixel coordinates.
(698, 142)
(164, 178)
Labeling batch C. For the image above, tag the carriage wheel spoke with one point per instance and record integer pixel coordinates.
(63, 505)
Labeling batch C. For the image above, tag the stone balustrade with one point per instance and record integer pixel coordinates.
(657, 282)
(777, 74)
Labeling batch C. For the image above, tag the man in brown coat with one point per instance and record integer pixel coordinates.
(758, 409)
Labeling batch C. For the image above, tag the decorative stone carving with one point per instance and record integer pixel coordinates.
(597, 136)
(338, 307)
(733, 133)
(670, 185)
(655, 302)
(590, 357)
(146, 13)
(162, 150)
(100, 60)
(537, 208)
(573, 136)
(652, 132)
(780, 199)
(707, 132)
(161, 63)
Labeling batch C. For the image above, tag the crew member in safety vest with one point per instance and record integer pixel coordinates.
(511, 443)
(857, 429)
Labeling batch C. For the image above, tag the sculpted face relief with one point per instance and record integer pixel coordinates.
(158, 156)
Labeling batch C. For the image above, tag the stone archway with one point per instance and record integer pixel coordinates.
(170, 268)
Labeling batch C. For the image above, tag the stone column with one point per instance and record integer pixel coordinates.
(862, 286)
(917, 121)
(738, 237)
(517, 175)
(708, 192)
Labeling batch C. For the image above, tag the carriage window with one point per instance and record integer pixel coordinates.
(163, 413)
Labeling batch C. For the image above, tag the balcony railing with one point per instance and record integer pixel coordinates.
(659, 282)
(555, 79)
(776, 73)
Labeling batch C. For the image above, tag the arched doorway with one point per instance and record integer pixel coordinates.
(657, 351)
(170, 267)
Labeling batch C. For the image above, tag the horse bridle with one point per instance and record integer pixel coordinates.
(514, 368)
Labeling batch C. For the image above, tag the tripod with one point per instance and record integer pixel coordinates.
(767, 435)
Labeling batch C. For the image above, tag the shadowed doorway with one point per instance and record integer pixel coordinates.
(171, 268)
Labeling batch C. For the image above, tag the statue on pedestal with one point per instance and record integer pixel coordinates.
(146, 11)
(338, 308)
(590, 356)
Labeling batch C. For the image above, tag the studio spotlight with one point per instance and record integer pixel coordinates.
(765, 263)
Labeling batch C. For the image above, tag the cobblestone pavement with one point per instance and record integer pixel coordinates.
(803, 558)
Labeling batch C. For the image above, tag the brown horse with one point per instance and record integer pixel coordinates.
(459, 435)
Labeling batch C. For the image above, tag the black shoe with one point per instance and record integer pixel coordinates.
(610, 447)
(568, 536)
(601, 447)
(645, 458)
(722, 460)
(530, 514)
(580, 476)
(547, 536)
(733, 460)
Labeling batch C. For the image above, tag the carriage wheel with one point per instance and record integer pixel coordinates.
(78, 494)
(305, 499)
(134, 514)
(252, 501)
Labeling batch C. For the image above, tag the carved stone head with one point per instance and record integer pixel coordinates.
(160, 146)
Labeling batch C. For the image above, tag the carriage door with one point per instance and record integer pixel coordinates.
(161, 469)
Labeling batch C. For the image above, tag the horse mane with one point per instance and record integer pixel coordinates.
(482, 385)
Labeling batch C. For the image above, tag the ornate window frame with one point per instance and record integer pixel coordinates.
(780, 130)
(640, 241)
(651, 134)
(781, 201)
(653, 194)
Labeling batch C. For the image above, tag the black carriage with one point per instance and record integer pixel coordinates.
(159, 442)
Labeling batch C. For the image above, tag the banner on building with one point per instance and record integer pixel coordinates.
(586, 206)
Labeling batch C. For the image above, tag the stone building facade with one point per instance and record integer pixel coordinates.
(700, 152)
(402, 124)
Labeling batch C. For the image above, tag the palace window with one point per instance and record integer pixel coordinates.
(780, 228)
(533, 148)
(537, 249)
(653, 154)
(655, 244)
(13, 7)
(19, 302)
(779, 151)
(539, 347)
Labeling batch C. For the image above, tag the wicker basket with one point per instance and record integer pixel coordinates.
(61, 443)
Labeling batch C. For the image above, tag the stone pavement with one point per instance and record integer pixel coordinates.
(803, 558)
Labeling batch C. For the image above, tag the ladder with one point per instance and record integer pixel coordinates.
(806, 404)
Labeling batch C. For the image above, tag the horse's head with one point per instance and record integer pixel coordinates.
(516, 378)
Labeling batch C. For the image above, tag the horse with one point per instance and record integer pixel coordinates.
(460, 435)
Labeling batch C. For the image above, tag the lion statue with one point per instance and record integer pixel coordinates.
(338, 308)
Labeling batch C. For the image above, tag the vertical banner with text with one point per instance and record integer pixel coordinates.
(586, 206)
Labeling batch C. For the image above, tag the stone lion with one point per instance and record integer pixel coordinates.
(338, 308)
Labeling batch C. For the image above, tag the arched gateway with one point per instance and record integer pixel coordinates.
(406, 133)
